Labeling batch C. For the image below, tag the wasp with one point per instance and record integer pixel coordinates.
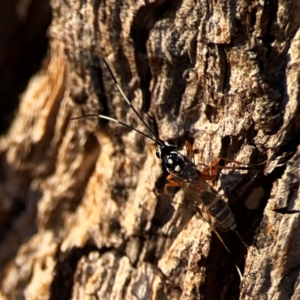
(206, 200)
(184, 173)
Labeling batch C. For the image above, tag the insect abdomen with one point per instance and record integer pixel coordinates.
(219, 210)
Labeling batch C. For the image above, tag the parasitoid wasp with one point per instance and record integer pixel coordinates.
(184, 173)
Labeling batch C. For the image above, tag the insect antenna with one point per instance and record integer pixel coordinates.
(116, 121)
(128, 102)
(156, 140)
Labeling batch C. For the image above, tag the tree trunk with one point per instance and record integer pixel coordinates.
(93, 219)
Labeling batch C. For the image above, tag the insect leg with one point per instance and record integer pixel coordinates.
(189, 151)
(211, 172)
(207, 219)
(241, 239)
(235, 162)
(170, 183)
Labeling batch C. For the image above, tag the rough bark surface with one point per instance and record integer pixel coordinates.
(94, 222)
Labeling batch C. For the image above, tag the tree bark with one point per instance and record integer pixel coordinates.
(94, 221)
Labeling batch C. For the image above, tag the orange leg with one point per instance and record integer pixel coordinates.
(211, 172)
(171, 183)
(207, 218)
(189, 151)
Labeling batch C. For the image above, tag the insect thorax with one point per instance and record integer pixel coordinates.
(180, 166)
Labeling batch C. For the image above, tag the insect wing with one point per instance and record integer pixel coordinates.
(204, 197)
